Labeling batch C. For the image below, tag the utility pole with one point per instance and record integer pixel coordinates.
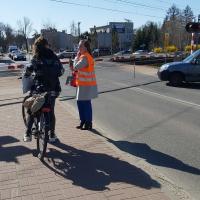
(79, 31)
(192, 43)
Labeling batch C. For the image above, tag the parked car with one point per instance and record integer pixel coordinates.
(11, 49)
(11, 54)
(140, 54)
(19, 55)
(122, 56)
(187, 70)
(101, 52)
(66, 54)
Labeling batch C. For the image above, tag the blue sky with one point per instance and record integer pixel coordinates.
(62, 14)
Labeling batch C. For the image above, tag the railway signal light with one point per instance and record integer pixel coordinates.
(193, 27)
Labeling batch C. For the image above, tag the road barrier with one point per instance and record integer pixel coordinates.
(66, 61)
(15, 66)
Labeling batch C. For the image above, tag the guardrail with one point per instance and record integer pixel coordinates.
(148, 60)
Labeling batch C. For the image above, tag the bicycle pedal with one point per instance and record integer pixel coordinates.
(34, 132)
(36, 136)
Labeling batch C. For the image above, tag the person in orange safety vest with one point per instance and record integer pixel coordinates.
(86, 84)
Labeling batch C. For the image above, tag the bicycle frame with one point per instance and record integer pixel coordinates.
(41, 123)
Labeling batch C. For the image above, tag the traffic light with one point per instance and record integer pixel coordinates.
(193, 27)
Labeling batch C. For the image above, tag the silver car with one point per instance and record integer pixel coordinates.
(187, 70)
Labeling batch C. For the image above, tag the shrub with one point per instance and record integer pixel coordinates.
(171, 49)
(157, 50)
(188, 48)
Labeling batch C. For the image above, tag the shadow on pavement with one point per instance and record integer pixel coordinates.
(66, 98)
(11, 103)
(95, 171)
(15, 98)
(9, 73)
(151, 156)
(10, 153)
(195, 86)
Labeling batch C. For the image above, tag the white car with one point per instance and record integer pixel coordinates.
(140, 54)
(122, 56)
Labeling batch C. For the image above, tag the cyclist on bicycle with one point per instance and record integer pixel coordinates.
(47, 69)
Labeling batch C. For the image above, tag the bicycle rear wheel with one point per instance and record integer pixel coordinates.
(42, 137)
(25, 111)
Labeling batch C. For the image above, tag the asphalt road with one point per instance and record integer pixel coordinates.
(150, 120)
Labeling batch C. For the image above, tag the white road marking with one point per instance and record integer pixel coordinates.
(173, 99)
(169, 98)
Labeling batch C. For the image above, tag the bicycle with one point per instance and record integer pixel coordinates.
(41, 124)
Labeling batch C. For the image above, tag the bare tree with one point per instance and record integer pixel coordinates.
(25, 28)
(9, 35)
(48, 25)
(174, 25)
(94, 39)
(2, 37)
(73, 29)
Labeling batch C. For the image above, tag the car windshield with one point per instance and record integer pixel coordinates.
(120, 52)
(190, 58)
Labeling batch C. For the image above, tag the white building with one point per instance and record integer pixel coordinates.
(123, 29)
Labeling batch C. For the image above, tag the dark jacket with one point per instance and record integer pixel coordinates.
(47, 69)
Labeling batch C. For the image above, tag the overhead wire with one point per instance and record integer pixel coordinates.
(139, 4)
(136, 4)
(106, 9)
(174, 3)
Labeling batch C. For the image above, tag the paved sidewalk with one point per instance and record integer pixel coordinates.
(81, 166)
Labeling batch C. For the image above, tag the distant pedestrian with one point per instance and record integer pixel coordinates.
(87, 85)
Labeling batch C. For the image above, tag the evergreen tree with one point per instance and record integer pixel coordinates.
(115, 39)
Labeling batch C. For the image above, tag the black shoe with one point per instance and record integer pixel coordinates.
(81, 125)
(88, 126)
(52, 138)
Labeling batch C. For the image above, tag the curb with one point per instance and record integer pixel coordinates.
(98, 59)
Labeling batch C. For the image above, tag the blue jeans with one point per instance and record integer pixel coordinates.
(85, 110)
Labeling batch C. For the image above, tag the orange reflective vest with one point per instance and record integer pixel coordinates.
(86, 75)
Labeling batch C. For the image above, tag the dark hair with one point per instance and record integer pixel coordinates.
(86, 44)
(40, 46)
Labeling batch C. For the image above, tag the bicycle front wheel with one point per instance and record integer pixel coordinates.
(42, 137)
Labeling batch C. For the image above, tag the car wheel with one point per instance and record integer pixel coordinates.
(176, 79)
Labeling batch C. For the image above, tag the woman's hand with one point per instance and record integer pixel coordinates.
(78, 54)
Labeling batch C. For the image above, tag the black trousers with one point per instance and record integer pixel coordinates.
(52, 117)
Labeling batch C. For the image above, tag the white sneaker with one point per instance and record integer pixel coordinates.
(52, 138)
(27, 138)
